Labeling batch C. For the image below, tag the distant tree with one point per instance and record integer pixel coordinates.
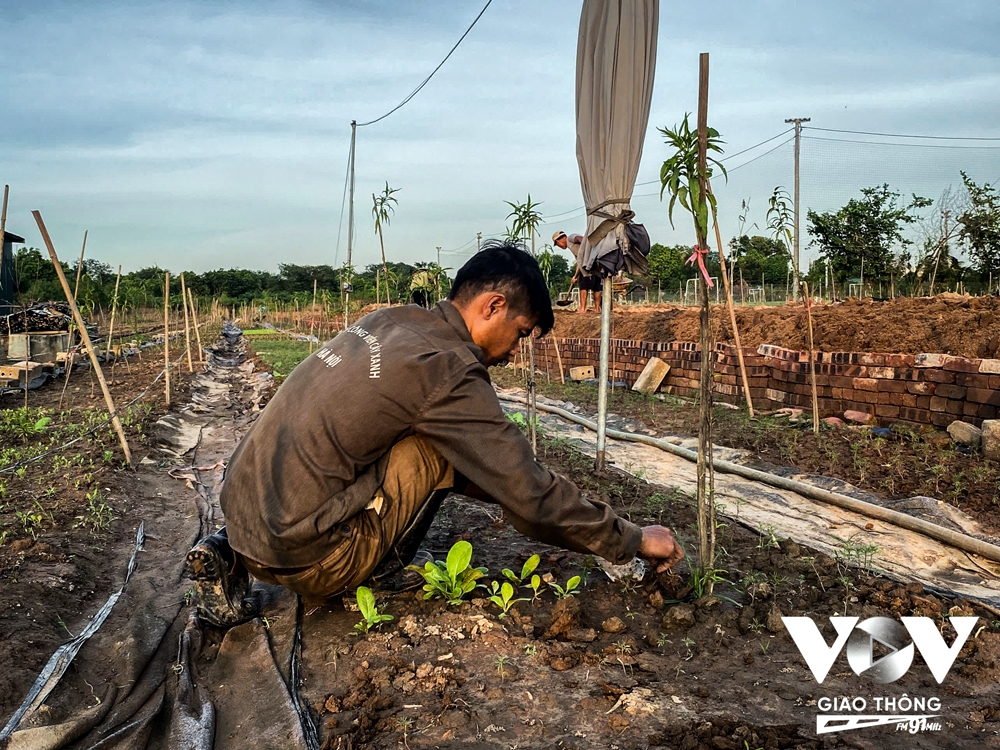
(383, 207)
(760, 257)
(980, 224)
(526, 218)
(865, 229)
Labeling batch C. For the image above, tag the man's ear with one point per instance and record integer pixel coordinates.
(494, 304)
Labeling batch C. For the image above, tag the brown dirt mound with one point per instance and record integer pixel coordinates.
(948, 323)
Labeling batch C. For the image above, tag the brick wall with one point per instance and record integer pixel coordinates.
(918, 388)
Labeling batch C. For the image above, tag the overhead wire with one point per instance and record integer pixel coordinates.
(894, 145)
(429, 77)
(901, 135)
(343, 202)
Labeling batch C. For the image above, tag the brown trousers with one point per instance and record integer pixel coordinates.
(413, 472)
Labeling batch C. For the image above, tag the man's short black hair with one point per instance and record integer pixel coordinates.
(506, 267)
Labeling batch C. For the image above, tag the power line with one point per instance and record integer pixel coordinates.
(899, 135)
(428, 78)
(899, 145)
(343, 200)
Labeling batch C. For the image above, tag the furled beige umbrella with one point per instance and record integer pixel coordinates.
(615, 63)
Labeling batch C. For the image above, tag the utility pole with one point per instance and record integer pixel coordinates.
(795, 237)
(345, 295)
(439, 257)
(479, 241)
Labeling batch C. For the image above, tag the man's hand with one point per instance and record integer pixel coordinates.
(660, 547)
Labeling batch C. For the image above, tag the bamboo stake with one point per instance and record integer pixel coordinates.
(79, 265)
(114, 310)
(729, 304)
(86, 337)
(312, 318)
(197, 329)
(76, 291)
(166, 334)
(532, 395)
(812, 356)
(187, 336)
(562, 375)
(706, 501)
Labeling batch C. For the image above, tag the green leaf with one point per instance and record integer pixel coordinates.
(366, 601)
(529, 566)
(507, 591)
(42, 423)
(573, 582)
(459, 557)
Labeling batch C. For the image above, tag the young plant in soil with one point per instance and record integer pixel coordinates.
(502, 595)
(526, 570)
(686, 175)
(571, 588)
(366, 605)
(452, 579)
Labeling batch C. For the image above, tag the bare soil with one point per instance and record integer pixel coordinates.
(625, 665)
(948, 324)
(620, 665)
(69, 520)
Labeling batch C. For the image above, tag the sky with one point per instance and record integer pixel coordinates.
(207, 135)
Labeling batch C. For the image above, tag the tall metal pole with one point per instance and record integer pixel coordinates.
(479, 241)
(602, 376)
(795, 236)
(344, 294)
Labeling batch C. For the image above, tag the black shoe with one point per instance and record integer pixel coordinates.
(393, 577)
(221, 583)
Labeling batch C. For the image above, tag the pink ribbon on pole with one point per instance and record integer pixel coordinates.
(699, 256)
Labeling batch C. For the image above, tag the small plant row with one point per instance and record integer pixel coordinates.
(455, 578)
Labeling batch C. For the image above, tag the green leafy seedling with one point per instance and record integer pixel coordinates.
(571, 589)
(535, 584)
(452, 579)
(366, 604)
(529, 567)
(503, 597)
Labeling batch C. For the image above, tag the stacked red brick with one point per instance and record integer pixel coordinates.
(923, 388)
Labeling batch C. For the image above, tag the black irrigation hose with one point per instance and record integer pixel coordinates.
(92, 430)
(955, 539)
(294, 676)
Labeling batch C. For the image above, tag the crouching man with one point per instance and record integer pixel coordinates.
(338, 480)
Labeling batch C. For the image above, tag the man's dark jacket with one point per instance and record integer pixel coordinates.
(312, 459)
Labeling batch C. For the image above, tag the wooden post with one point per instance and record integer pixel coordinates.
(114, 309)
(166, 334)
(197, 330)
(729, 304)
(706, 502)
(86, 337)
(312, 316)
(562, 375)
(812, 356)
(79, 265)
(187, 336)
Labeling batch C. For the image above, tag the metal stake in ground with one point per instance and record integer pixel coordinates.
(86, 337)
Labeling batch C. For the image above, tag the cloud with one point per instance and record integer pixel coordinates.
(198, 135)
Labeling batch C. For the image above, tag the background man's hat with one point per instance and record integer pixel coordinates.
(557, 235)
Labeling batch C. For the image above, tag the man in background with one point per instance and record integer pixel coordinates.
(586, 281)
